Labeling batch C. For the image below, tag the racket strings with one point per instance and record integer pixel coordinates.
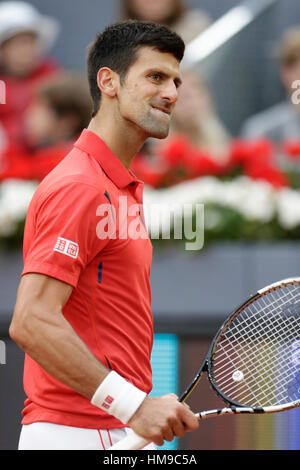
(259, 390)
(292, 332)
(260, 310)
(249, 383)
(228, 386)
(255, 361)
(267, 388)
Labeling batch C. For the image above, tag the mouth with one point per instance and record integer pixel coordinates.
(162, 109)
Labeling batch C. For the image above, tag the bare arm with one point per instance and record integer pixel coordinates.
(40, 329)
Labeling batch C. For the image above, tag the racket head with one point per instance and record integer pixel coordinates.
(254, 359)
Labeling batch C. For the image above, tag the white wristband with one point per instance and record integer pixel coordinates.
(118, 397)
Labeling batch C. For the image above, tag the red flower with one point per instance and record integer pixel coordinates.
(202, 164)
(178, 160)
(179, 152)
(148, 173)
(291, 148)
(242, 152)
(239, 152)
(21, 164)
(175, 151)
(267, 173)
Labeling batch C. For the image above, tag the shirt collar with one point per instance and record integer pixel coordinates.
(90, 143)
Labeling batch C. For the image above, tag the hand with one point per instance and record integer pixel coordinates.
(163, 418)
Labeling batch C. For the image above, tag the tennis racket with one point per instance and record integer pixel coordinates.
(253, 363)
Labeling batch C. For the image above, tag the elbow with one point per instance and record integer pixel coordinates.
(18, 330)
(14, 332)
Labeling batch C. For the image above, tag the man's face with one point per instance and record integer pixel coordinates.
(148, 94)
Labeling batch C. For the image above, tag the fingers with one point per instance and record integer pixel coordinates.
(178, 428)
(189, 419)
(163, 418)
(178, 424)
(168, 434)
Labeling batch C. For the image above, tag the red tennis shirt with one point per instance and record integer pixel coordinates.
(85, 227)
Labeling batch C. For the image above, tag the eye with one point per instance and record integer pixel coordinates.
(155, 76)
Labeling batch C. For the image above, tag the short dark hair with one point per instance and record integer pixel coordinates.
(116, 47)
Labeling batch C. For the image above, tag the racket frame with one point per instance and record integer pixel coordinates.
(133, 441)
(207, 363)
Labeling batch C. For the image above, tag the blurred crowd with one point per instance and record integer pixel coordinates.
(46, 107)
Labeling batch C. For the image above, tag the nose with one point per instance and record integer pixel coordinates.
(170, 92)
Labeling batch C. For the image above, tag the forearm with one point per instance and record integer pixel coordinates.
(41, 330)
(54, 345)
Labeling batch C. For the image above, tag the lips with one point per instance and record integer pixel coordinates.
(163, 109)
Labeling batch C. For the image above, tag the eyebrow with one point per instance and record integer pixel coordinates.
(177, 80)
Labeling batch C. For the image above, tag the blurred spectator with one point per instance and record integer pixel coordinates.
(188, 23)
(195, 121)
(61, 108)
(25, 36)
(282, 121)
(195, 117)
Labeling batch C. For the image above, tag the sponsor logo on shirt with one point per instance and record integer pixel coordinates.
(67, 247)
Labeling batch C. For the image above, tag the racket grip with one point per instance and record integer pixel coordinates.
(131, 442)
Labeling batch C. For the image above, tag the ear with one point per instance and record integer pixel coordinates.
(108, 82)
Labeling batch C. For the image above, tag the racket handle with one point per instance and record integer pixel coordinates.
(131, 442)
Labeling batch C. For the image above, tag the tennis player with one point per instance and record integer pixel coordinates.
(82, 312)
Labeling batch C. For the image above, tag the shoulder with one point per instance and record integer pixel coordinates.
(76, 178)
(77, 168)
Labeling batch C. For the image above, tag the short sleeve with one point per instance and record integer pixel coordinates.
(64, 237)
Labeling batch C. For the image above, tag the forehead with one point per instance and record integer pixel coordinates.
(19, 37)
(150, 58)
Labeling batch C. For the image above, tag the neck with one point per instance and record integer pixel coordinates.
(123, 138)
